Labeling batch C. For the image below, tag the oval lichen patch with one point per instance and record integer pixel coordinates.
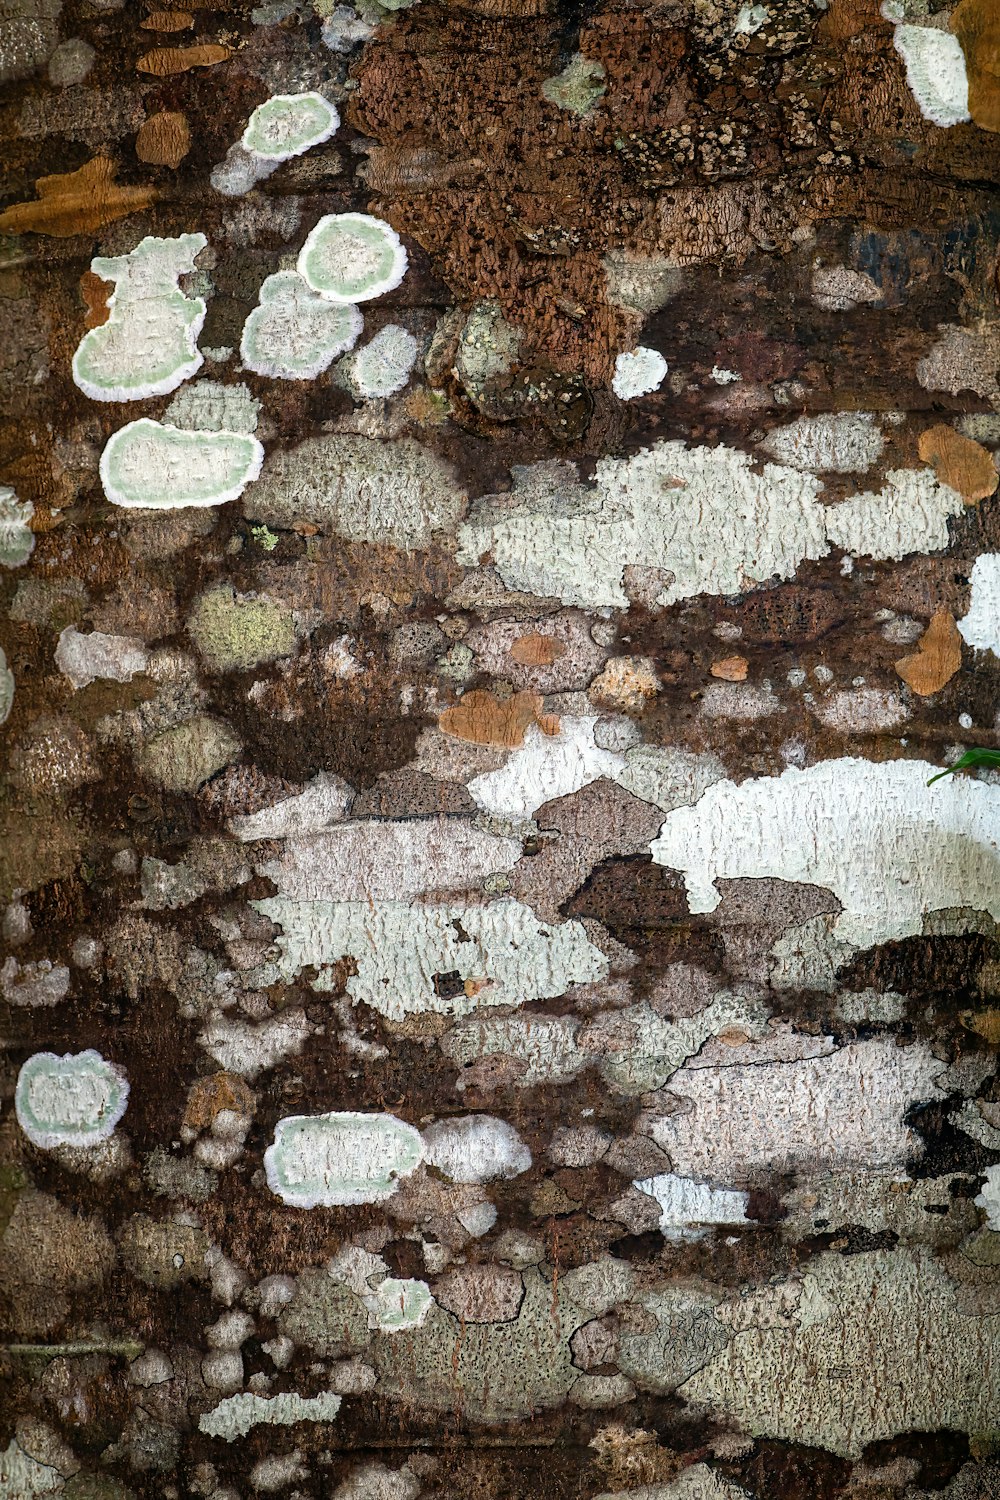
(324, 1161)
(288, 124)
(295, 334)
(150, 465)
(75, 1100)
(352, 258)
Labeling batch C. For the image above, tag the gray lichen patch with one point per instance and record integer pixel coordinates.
(234, 633)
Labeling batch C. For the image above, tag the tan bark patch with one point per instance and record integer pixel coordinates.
(937, 658)
(537, 650)
(208, 1096)
(96, 293)
(487, 720)
(168, 20)
(976, 23)
(164, 140)
(163, 61)
(960, 463)
(76, 202)
(731, 668)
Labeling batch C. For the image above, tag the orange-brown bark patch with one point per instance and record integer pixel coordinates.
(959, 462)
(76, 202)
(937, 658)
(163, 61)
(485, 719)
(164, 140)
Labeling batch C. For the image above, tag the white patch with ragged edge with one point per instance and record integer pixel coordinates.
(382, 366)
(708, 517)
(286, 125)
(981, 626)
(390, 860)
(501, 953)
(888, 846)
(688, 1209)
(839, 1112)
(544, 767)
(236, 1415)
(847, 442)
(910, 513)
(17, 540)
(331, 1160)
(638, 372)
(989, 1198)
(476, 1148)
(294, 333)
(149, 343)
(74, 1100)
(324, 802)
(936, 73)
(149, 465)
(113, 658)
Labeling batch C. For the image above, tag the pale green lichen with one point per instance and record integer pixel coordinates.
(6, 689)
(341, 1158)
(294, 333)
(17, 539)
(396, 1305)
(234, 633)
(148, 465)
(382, 367)
(352, 258)
(286, 125)
(578, 87)
(74, 1100)
(182, 758)
(148, 345)
(236, 1415)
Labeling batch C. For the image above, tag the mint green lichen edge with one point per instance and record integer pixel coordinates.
(289, 287)
(339, 1192)
(177, 439)
(373, 232)
(40, 1132)
(324, 123)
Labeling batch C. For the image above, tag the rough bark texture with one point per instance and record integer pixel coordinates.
(490, 1004)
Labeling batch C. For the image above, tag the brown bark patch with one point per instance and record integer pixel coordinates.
(976, 23)
(537, 650)
(163, 61)
(937, 658)
(731, 668)
(485, 719)
(96, 292)
(164, 140)
(76, 202)
(959, 462)
(168, 20)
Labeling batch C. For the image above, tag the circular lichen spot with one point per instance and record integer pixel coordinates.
(288, 124)
(352, 258)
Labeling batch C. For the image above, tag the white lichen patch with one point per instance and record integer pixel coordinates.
(837, 1112)
(890, 848)
(149, 344)
(476, 1148)
(74, 1100)
(989, 1198)
(544, 767)
(286, 125)
(352, 257)
(382, 366)
(113, 658)
(389, 860)
(147, 465)
(448, 959)
(17, 540)
(324, 802)
(236, 1415)
(836, 442)
(212, 406)
(897, 1350)
(6, 688)
(396, 1305)
(295, 334)
(981, 626)
(638, 372)
(335, 1159)
(688, 1209)
(909, 513)
(704, 520)
(936, 72)
(400, 492)
(39, 983)
(839, 288)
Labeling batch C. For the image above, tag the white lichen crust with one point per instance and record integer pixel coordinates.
(352, 258)
(74, 1100)
(295, 334)
(286, 125)
(149, 343)
(150, 465)
(341, 1158)
(936, 73)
